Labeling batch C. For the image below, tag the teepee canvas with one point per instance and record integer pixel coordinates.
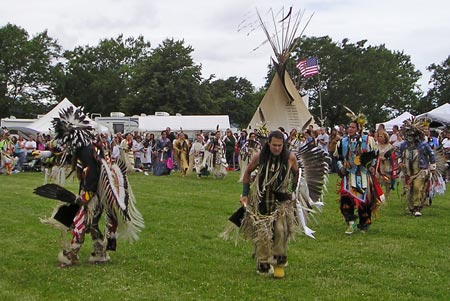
(279, 108)
(282, 105)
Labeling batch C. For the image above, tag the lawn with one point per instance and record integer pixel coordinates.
(180, 257)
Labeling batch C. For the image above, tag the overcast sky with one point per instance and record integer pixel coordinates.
(419, 28)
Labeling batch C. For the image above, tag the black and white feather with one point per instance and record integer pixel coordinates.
(312, 183)
(72, 128)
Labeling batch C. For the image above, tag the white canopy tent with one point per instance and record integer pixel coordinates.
(439, 116)
(388, 125)
(44, 124)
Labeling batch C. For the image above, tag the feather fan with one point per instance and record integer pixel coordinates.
(55, 192)
(312, 183)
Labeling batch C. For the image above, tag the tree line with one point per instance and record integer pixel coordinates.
(128, 75)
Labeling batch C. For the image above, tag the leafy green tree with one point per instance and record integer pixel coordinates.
(27, 71)
(372, 80)
(97, 77)
(439, 94)
(169, 81)
(236, 97)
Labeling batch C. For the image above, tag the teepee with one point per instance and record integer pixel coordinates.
(282, 105)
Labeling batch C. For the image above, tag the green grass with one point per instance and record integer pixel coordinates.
(180, 257)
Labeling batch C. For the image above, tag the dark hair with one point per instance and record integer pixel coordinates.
(265, 151)
(281, 161)
(275, 134)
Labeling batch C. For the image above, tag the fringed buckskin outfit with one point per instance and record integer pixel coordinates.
(271, 215)
(181, 151)
(416, 159)
(418, 162)
(272, 210)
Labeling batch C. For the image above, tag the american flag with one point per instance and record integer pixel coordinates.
(308, 67)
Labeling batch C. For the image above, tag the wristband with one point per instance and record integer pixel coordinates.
(245, 189)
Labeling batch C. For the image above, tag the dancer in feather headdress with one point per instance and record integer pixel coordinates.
(286, 189)
(103, 188)
(359, 188)
(418, 162)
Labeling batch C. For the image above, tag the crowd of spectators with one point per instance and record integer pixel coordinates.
(146, 149)
(17, 151)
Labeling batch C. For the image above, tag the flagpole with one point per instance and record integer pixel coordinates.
(320, 101)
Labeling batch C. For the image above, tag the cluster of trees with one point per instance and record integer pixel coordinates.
(369, 79)
(126, 74)
(116, 75)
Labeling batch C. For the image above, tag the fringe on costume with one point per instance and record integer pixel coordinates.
(52, 221)
(437, 184)
(130, 230)
(373, 195)
(126, 160)
(116, 194)
(231, 232)
(259, 228)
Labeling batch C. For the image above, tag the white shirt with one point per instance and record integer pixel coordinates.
(446, 143)
(393, 138)
(115, 152)
(30, 146)
(137, 148)
(324, 143)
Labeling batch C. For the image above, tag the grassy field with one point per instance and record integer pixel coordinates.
(181, 257)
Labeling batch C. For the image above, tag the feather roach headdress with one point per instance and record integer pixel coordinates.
(413, 129)
(359, 118)
(72, 129)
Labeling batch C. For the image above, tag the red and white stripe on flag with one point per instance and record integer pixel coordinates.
(79, 225)
(308, 67)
